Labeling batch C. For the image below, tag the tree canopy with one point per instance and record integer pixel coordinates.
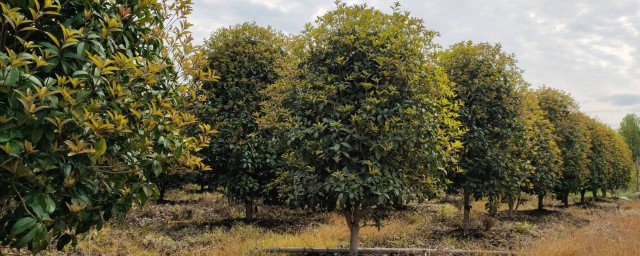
(572, 137)
(89, 110)
(486, 81)
(244, 155)
(374, 118)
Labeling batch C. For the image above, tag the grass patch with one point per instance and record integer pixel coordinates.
(614, 233)
(207, 224)
(523, 227)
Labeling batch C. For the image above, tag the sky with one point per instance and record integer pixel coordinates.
(589, 49)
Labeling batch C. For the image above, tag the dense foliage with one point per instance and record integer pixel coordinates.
(374, 121)
(89, 110)
(630, 132)
(486, 81)
(244, 154)
(540, 150)
(572, 137)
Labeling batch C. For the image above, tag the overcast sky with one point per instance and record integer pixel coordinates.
(586, 48)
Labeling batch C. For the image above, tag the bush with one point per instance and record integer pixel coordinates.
(89, 111)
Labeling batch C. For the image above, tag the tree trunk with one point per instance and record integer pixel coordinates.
(565, 199)
(511, 203)
(466, 220)
(248, 210)
(595, 195)
(161, 192)
(353, 221)
(493, 208)
(604, 193)
(637, 178)
(540, 202)
(582, 192)
(518, 202)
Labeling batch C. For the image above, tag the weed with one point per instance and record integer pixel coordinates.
(523, 227)
(488, 222)
(448, 213)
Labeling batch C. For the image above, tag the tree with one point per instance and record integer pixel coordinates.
(540, 150)
(599, 158)
(373, 121)
(486, 81)
(622, 162)
(610, 159)
(630, 131)
(89, 110)
(244, 155)
(571, 137)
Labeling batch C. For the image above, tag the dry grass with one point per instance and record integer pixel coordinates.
(206, 224)
(248, 240)
(612, 233)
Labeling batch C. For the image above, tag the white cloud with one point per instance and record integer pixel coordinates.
(588, 48)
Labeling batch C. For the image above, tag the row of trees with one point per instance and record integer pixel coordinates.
(358, 113)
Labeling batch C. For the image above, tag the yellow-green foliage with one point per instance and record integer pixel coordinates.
(572, 138)
(92, 104)
(540, 150)
(523, 227)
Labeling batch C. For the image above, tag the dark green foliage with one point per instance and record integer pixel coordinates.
(245, 156)
(373, 117)
(630, 131)
(486, 82)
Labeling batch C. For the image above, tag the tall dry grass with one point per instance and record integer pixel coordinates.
(249, 240)
(613, 233)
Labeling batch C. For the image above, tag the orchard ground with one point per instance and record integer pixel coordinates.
(207, 224)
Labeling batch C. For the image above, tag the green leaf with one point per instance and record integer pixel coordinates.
(101, 148)
(37, 209)
(4, 138)
(63, 241)
(33, 79)
(50, 47)
(178, 151)
(50, 205)
(16, 148)
(36, 135)
(22, 225)
(12, 77)
(157, 168)
(29, 236)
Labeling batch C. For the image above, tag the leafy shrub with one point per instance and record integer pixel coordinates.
(90, 109)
